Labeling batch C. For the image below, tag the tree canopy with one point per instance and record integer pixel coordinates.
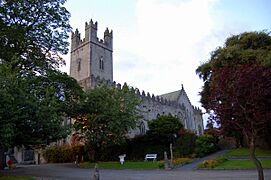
(106, 115)
(237, 86)
(164, 128)
(33, 34)
(35, 95)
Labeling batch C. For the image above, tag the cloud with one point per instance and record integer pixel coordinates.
(170, 29)
(168, 43)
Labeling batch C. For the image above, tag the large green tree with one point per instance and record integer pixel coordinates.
(164, 129)
(35, 95)
(106, 115)
(33, 34)
(237, 87)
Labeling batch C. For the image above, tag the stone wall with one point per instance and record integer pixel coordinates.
(152, 106)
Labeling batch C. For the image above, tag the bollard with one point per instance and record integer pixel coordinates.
(96, 175)
(166, 161)
(76, 159)
(171, 155)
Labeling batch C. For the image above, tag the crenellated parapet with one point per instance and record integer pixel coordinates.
(91, 29)
(75, 39)
(145, 96)
(151, 98)
(197, 110)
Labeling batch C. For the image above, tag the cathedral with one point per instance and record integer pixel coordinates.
(92, 62)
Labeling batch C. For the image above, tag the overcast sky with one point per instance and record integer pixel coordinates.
(158, 44)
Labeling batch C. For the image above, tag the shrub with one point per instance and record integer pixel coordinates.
(51, 154)
(185, 144)
(182, 161)
(161, 164)
(205, 145)
(211, 163)
(162, 132)
(63, 154)
(112, 152)
(175, 162)
(208, 164)
(139, 146)
(136, 148)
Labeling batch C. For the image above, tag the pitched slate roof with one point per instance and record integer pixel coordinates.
(175, 95)
(172, 96)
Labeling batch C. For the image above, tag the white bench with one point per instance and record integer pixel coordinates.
(150, 157)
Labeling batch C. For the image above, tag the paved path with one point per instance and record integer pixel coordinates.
(72, 172)
(193, 165)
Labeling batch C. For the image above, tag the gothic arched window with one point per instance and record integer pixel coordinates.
(101, 63)
(78, 64)
(142, 128)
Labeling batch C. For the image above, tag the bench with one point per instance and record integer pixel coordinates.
(150, 157)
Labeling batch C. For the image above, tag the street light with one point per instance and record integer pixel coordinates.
(171, 149)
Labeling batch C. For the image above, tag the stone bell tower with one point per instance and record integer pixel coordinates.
(91, 57)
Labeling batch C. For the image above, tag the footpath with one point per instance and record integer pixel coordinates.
(193, 165)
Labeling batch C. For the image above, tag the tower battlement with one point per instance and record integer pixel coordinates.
(91, 55)
(91, 29)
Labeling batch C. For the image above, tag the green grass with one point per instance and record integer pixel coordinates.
(15, 178)
(126, 165)
(245, 152)
(242, 164)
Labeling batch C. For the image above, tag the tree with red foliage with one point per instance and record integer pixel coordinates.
(237, 87)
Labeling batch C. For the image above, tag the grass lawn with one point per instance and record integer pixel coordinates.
(242, 164)
(126, 165)
(245, 152)
(234, 163)
(15, 178)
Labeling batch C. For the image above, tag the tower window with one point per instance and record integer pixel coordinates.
(78, 64)
(101, 63)
(142, 128)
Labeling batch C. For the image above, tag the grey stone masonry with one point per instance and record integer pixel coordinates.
(92, 63)
(91, 56)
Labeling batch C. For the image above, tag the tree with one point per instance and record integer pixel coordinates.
(164, 128)
(33, 34)
(35, 95)
(185, 143)
(237, 87)
(33, 109)
(205, 144)
(106, 115)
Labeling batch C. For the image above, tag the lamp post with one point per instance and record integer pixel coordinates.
(171, 155)
(171, 149)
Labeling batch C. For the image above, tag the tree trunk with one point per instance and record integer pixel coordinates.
(91, 155)
(254, 159)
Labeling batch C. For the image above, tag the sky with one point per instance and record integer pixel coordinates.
(158, 44)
